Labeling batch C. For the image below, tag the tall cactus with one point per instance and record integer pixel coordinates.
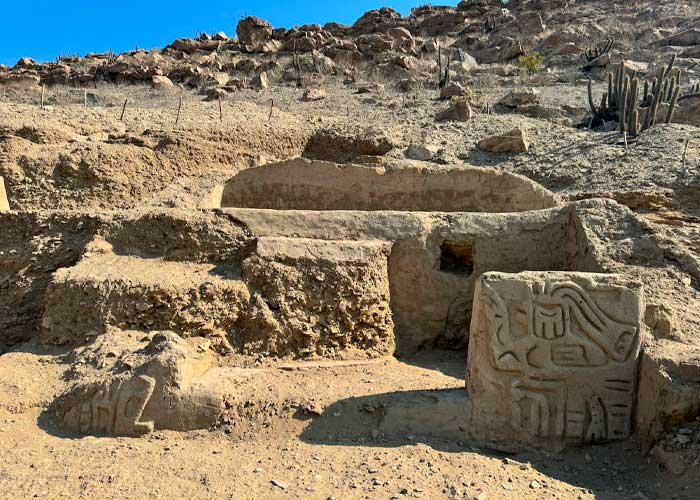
(634, 104)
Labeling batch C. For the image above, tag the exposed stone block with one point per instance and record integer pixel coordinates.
(149, 294)
(313, 297)
(553, 358)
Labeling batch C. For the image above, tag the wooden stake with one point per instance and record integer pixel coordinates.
(272, 103)
(179, 107)
(685, 150)
(625, 136)
(221, 111)
(121, 118)
(43, 93)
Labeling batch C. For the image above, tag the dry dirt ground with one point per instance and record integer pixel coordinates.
(308, 434)
(279, 446)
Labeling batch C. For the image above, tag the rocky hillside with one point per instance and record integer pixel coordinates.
(557, 34)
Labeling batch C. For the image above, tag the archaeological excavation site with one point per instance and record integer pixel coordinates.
(449, 252)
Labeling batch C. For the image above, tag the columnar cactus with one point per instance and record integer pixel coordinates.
(634, 104)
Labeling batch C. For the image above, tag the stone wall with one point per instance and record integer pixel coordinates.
(302, 184)
(435, 260)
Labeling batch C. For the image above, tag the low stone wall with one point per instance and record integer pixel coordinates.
(301, 184)
(434, 261)
(129, 292)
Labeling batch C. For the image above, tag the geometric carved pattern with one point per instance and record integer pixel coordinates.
(117, 407)
(565, 367)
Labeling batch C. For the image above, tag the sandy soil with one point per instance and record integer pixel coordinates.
(271, 451)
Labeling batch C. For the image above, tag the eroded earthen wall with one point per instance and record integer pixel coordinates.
(301, 184)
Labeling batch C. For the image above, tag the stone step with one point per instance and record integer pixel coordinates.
(290, 297)
(127, 291)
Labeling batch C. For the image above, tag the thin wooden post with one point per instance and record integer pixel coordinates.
(121, 118)
(179, 107)
(685, 150)
(272, 103)
(221, 111)
(43, 94)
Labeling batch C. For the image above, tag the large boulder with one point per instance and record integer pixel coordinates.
(25, 62)
(478, 6)
(186, 45)
(375, 21)
(374, 44)
(307, 41)
(442, 23)
(403, 40)
(684, 38)
(160, 82)
(453, 90)
(503, 50)
(343, 53)
(529, 23)
(519, 98)
(458, 111)
(253, 33)
(421, 152)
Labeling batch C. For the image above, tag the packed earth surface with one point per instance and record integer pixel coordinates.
(453, 254)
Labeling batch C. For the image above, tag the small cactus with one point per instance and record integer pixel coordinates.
(593, 53)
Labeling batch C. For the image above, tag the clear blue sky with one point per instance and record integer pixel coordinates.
(43, 29)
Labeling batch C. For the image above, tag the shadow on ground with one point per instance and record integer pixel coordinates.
(438, 419)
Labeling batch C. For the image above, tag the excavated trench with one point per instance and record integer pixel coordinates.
(309, 261)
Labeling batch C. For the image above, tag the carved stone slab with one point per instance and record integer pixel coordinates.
(553, 358)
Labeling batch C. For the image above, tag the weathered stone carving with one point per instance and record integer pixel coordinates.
(553, 357)
(164, 390)
(116, 408)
